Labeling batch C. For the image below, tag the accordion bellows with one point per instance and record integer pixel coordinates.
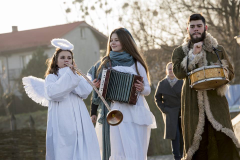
(119, 86)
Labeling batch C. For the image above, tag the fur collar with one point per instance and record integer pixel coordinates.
(203, 101)
(208, 43)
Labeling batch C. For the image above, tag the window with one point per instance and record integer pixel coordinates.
(1, 66)
(82, 33)
(25, 60)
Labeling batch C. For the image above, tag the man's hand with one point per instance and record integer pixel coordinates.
(197, 47)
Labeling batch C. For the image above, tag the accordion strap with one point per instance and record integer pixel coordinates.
(110, 64)
(136, 67)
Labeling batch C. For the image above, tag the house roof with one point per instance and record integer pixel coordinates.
(39, 37)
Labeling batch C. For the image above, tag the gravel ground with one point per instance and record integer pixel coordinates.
(164, 157)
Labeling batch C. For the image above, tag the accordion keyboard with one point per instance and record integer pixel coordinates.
(119, 86)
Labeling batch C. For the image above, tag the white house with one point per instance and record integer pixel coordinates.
(17, 47)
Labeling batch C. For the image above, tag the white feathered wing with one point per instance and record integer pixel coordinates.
(34, 88)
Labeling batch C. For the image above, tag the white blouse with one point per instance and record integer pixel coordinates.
(139, 113)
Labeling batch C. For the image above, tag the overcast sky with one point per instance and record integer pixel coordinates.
(30, 14)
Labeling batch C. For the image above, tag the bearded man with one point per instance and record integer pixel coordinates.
(206, 124)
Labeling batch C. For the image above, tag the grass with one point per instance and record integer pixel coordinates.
(23, 120)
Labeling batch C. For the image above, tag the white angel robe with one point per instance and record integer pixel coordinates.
(130, 139)
(70, 132)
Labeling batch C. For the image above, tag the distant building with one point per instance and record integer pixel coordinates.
(17, 47)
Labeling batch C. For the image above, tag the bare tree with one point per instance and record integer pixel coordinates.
(154, 32)
(222, 17)
(155, 24)
(97, 13)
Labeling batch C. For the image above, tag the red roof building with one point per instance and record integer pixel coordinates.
(17, 47)
(18, 40)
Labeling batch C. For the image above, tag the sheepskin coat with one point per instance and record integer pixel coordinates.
(198, 104)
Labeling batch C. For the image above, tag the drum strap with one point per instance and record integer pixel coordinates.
(187, 64)
(137, 68)
(215, 51)
(188, 58)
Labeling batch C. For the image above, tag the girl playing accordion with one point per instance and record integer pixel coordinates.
(129, 139)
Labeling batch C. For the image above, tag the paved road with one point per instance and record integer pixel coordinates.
(165, 157)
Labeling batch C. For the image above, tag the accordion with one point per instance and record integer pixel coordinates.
(119, 86)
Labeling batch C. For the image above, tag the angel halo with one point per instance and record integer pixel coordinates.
(62, 44)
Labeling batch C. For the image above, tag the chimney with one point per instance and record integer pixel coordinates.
(14, 28)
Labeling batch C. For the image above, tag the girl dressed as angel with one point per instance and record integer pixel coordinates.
(70, 132)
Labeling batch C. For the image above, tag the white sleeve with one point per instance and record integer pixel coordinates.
(83, 89)
(90, 76)
(57, 89)
(147, 90)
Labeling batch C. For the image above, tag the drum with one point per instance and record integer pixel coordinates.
(208, 77)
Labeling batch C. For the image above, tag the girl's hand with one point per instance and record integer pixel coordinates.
(139, 86)
(96, 83)
(94, 118)
(71, 67)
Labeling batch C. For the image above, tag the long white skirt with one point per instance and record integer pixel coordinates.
(129, 141)
(98, 129)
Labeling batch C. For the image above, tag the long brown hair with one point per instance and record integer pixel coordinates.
(52, 62)
(129, 46)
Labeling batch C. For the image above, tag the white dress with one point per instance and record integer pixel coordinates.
(130, 139)
(70, 132)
